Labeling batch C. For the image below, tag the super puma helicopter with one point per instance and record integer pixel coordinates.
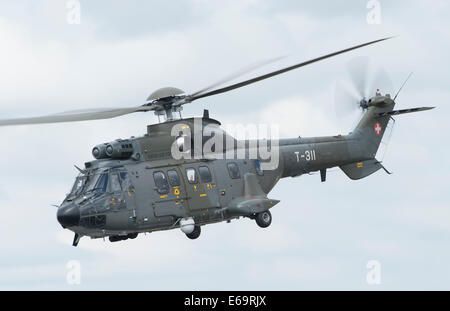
(135, 185)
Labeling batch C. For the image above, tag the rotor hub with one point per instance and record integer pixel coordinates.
(363, 103)
(165, 92)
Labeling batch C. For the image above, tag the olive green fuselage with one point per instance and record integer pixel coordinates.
(152, 190)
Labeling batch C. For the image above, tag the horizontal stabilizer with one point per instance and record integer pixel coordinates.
(358, 170)
(402, 111)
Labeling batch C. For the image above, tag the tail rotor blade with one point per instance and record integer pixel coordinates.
(364, 83)
(346, 100)
(358, 70)
(382, 82)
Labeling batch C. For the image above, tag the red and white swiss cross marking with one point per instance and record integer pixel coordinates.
(377, 128)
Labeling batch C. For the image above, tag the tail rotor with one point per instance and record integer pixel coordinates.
(364, 81)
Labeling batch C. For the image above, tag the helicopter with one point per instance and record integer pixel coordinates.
(168, 179)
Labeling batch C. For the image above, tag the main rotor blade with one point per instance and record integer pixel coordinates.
(237, 74)
(274, 73)
(76, 115)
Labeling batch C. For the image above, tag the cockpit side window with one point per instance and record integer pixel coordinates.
(123, 176)
(126, 182)
(102, 182)
(92, 182)
(115, 183)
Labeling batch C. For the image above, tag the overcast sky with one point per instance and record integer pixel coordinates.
(322, 235)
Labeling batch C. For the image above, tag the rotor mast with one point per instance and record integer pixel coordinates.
(167, 102)
(168, 112)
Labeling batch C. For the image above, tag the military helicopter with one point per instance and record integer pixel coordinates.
(166, 180)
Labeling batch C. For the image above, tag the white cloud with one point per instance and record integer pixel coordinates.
(299, 117)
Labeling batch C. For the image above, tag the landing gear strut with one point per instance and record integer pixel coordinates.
(263, 219)
(194, 234)
(76, 239)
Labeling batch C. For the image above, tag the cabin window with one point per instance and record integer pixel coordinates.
(174, 179)
(162, 186)
(205, 174)
(233, 170)
(191, 175)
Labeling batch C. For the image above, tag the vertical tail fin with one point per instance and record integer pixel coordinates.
(372, 126)
(369, 132)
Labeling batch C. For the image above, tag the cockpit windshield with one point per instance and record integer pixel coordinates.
(90, 183)
(97, 183)
(78, 186)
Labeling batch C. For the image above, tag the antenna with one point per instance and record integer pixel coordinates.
(409, 76)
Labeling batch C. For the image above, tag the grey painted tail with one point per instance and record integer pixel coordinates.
(369, 132)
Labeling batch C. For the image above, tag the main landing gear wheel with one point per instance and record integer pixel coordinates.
(194, 234)
(263, 219)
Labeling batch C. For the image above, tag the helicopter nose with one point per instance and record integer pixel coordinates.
(68, 216)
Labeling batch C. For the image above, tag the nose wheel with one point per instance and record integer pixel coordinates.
(194, 234)
(263, 219)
